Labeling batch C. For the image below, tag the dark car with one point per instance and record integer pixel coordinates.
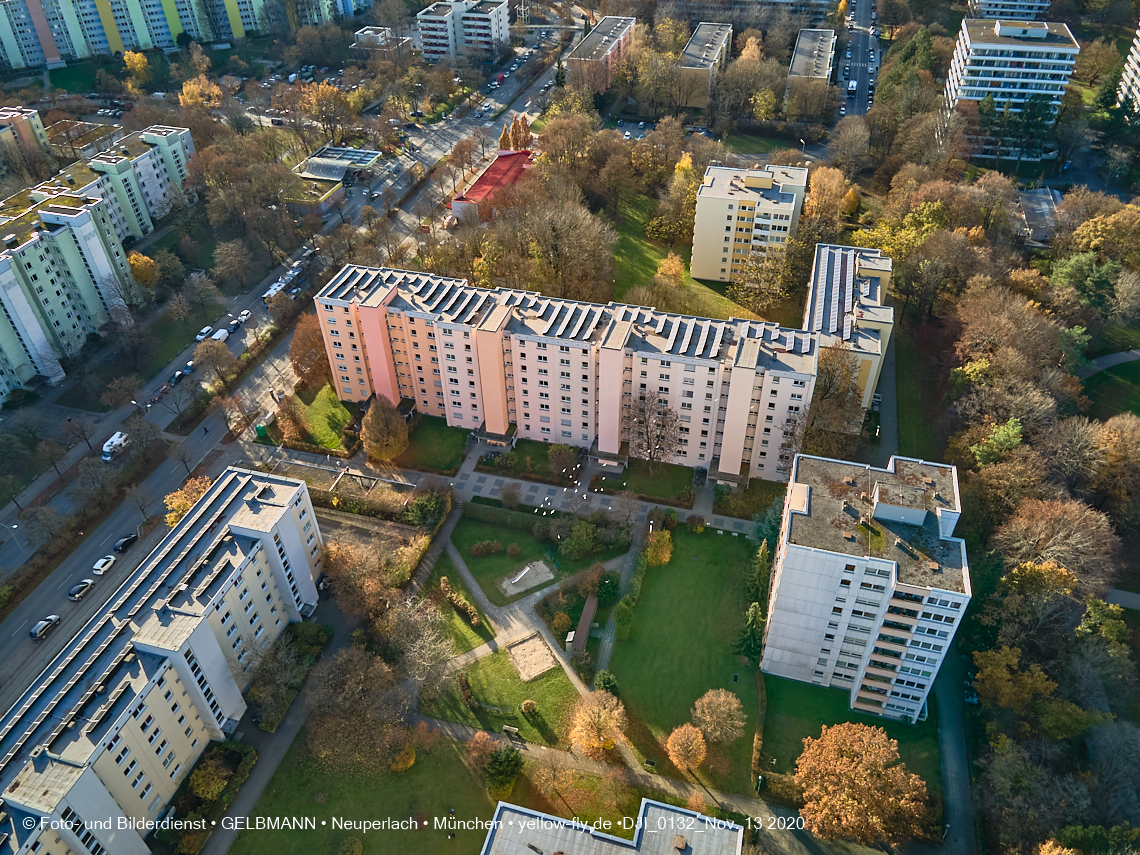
(43, 627)
(176, 378)
(278, 122)
(125, 543)
(160, 394)
(234, 325)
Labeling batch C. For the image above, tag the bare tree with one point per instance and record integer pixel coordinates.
(142, 498)
(654, 428)
(184, 454)
(92, 479)
(416, 631)
(179, 397)
(143, 433)
(30, 424)
(50, 452)
(215, 358)
(82, 428)
(44, 523)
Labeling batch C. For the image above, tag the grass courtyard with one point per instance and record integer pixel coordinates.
(1114, 390)
(205, 241)
(668, 482)
(434, 445)
(798, 710)
(496, 684)
(918, 401)
(325, 415)
(437, 783)
(463, 635)
(488, 569)
(171, 337)
(680, 646)
(1113, 339)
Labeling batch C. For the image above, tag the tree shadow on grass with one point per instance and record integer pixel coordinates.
(538, 721)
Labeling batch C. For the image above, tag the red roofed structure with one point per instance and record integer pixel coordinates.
(505, 170)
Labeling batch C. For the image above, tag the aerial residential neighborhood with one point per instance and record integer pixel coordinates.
(517, 427)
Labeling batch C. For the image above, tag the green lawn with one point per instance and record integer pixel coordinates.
(1114, 339)
(636, 259)
(495, 683)
(434, 445)
(917, 401)
(171, 338)
(207, 241)
(438, 783)
(19, 459)
(742, 143)
(463, 635)
(797, 710)
(325, 415)
(488, 569)
(755, 500)
(74, 77)
(1114, 390)
(667, 481)
(680, 646)
(538, 453)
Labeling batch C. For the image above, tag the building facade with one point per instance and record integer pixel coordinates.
(22, 127)
(63, 268)
(845, 308)
(1012, 61)
(741, 211)
(452, 28)
(1129, 90)
(743, 14)
(1009, 10)
(704, 57)
(381, 42)
(594, 59)
(869, 584)
(110, 729)
(72, 140)
(565, 371)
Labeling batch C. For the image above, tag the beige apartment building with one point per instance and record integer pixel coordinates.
(705, 56)
(566, 371)
(22, 126)
(110, 729)
(594, 59)
(742, 211)
(869, 584)
(845, 307)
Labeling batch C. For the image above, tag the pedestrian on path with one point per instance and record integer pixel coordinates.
(205, 431)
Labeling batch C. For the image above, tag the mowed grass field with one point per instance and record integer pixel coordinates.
(680, 646)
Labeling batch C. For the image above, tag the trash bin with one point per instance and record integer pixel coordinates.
(262, 433)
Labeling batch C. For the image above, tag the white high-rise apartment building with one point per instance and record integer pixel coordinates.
(869, 584)
(112, 726)
(1012, 61)
(1129, 89)
(452, 28)
(741, 211)
(1009, 10)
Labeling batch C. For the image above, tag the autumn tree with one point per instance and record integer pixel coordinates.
(200, 93)
(1032, 607)
(178, 308)
(856, 787)
(357, 684)
(307, 352)
(596, 723)
(836, 411)
(216, 359)
(143, 268)
(1096, 59)
(719, 715)
(479, 749)
(1002, 681)
(850, 145)
(658, 548)
(49, 453)
(179, 503)
(232, 259)
(686, 747)
(281, 306)
(138, 66)
(210, 776)
(759, 280)
(654, 428)
(384, 431)
(120, 391)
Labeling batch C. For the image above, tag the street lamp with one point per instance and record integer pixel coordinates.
(803, 149)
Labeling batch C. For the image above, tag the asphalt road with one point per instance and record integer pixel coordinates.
(863, 69)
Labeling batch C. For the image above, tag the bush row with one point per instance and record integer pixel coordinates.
(623, 613)
(466, 693)
(459, 603)
(485, 547)
(343, 453)
(499, 516)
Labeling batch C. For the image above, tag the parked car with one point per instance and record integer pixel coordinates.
(628, 135)
(233, 326)
(43, 627)
(245, 314)
(125, 543)
(203, 333)
(103, 565)
(189, 369)
(160, 394)
(176, 378)
(971, 697)
(78, 592)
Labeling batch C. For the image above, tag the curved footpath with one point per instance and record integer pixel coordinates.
(1098, 365)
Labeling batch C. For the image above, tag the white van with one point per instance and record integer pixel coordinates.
(220, 335)
(115, 444)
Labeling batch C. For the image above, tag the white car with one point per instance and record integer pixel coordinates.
(103, 565)
(244, 315)
(203, 333)
(80, 591)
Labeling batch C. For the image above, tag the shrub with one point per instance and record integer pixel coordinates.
(513, 550)
(308, 638)
(485, 547)
(529, 707)
(658, 548)
(507, 462)
(405, 760)
(210, 777)
(541, 530)
(623, 617)
(696, 524)
(670, 519)
(560, 623)
(605, 681)
(499, 516)
(510, 496)
(609, 590)
(459, 603)
(466, 693)
(504, 767)
(581, 542)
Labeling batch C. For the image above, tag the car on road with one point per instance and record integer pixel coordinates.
(189, 369)
(43, 627)
(203, 333)
(479, 115)
(78, 592)
(220, 335)
(244, 315)
(103, 565)
(628, 135)
(296, 291)
(849, 54)
(278, 122)
(160, 394)
(176, 378)
(971, 697)
(233, 326)
(843, 109)
(126, 542)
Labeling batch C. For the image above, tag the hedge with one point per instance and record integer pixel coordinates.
(499, 516)
(343, 453)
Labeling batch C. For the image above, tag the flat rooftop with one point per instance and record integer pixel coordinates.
(706, 45)
(841, 493)
(725, 182)
(504, 171)
(602, 38)
(485, 7)
(662, 830)
(1038, 35)
(839, 297)
(815, 50)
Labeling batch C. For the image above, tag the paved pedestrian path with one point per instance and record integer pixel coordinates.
(1123, 598)
(1099, 364)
